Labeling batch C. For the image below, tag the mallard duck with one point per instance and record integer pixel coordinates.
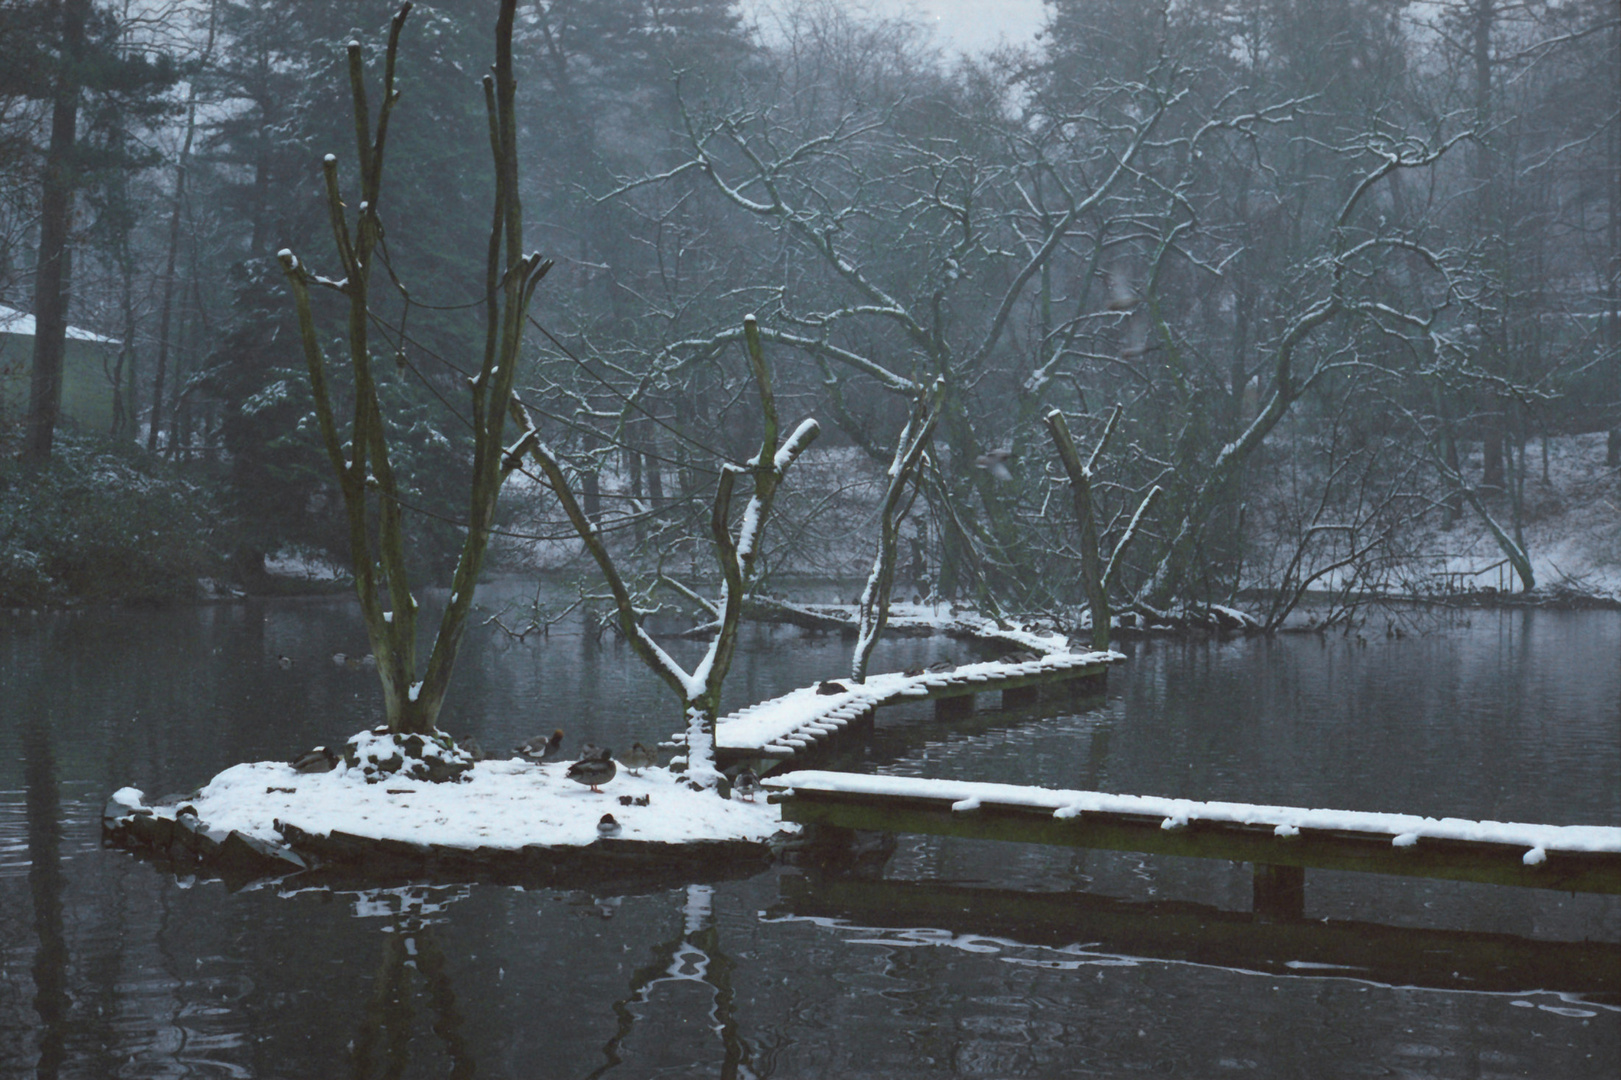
(637, 758)
(746, 784)
(830, 687)
(471, 745)
(608, 826)
(318, 760)
(940, 667)
(593, 771)
(542, 750)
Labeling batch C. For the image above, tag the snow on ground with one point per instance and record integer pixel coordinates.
(500, 804)
(1404, 829)
(1572, 527)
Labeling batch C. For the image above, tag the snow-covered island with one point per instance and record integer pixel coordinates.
(267, 819)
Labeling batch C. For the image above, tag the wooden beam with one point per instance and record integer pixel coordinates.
(1457, 860)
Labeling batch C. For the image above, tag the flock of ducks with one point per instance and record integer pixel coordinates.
(595, 767)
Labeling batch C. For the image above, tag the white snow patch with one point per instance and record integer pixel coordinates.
(13, 321)
(499, 804)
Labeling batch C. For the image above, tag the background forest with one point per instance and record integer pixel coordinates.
(1350, 271)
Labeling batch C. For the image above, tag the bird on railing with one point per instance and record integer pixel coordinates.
(746, 784)
(593, 771)
(541, 750)
(608, 826)
(829, 687)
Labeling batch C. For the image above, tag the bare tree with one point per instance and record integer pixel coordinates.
(360, 457)
(699, 689)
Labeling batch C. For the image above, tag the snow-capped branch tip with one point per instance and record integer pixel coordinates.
(353, 45)
(330, 159)
(289, 261)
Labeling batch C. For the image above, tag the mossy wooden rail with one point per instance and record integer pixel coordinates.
(1181, 931)
(1281, 842)
(766, 734)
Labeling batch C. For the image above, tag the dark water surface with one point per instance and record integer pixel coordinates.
(109, 967)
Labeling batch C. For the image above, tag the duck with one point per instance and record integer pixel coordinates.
(828, 687)
(471, 745)
(320, 759)
(637, 758)
(593, 771)
(608, 826)
(746, 784)
(541, 750)
(939, 667)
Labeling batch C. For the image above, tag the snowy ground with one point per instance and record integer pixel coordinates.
(1572, 530)
(500, 805)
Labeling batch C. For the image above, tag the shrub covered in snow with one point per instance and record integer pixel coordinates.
(100, 522)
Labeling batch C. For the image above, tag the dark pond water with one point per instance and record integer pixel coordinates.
(109, 967)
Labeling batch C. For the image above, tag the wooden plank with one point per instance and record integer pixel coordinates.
(1457, 860)
(1197, 933)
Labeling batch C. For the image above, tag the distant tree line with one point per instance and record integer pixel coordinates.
(1340, 267)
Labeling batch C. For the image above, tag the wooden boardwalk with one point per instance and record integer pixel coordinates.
(1281, 842)
(769, 733)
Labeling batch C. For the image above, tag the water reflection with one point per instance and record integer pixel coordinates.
(692, 957)
(45, 887)
(382, 1047)
(110, 967)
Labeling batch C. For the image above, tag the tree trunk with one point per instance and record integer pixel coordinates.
(54, 274)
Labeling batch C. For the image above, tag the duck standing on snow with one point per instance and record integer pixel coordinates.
(593, 771)
(746, 784)
(318, 760)
(541, 750)
(637, 758)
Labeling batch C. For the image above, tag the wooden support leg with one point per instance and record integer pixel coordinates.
(947, 708)
(1280, 892)
(1087, 684)
(1013, 697)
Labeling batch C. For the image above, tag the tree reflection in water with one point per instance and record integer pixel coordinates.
(383, 1045)
(45, 882)
(692, 956)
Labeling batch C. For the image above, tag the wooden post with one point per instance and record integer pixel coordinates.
(1280, 892)
(1015, 696)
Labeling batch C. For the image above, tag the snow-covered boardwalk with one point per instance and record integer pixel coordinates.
(776, 730)
(1280, 840)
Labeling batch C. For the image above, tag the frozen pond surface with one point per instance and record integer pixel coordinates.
(110, 968)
